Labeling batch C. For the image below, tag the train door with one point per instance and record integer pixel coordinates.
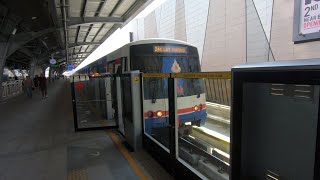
(131, 106)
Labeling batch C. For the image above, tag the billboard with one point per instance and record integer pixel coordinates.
(306, 20)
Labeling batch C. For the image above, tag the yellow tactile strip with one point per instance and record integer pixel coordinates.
(127, 156)
(78, 174)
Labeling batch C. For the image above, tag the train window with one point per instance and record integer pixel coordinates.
(177, 64)
(146, 64)
(170, 64)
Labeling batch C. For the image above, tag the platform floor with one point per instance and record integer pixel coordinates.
(38, 142)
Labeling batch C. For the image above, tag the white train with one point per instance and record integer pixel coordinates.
(160, 56)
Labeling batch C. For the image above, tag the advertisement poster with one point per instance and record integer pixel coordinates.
(310, 16)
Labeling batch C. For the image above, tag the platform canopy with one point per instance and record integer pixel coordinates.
(64, 29)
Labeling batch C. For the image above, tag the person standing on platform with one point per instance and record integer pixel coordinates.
(36, 82)
(28, 86)
(43, 86)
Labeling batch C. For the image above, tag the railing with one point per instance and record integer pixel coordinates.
(11, 88)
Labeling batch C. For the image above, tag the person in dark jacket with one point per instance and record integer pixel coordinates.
(28, 86)
(36, 81)
(43, 86)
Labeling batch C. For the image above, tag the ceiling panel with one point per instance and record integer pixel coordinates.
(80, 39)
(84, 28)
(98, 38)
(77, 49)
(107, 8)
(94, 31)
(72, 39)
(104, 30)
(83, 49)
(72, 31)
(89, 38)
(123, 8)
(91, 8)
(75, 7)
(85, 46)
(90, 48)
(97, 25)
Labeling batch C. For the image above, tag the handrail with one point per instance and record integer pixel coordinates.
(11, 88)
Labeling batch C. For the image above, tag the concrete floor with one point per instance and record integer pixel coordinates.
(37, 141)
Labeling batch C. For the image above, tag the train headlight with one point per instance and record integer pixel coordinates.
(159, 114)
(150, 114)
(196, 108)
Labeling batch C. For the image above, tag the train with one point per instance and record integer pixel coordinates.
(160, 56)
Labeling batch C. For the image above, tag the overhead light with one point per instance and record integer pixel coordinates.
(34, 17)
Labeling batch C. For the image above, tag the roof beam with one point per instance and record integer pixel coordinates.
(83, 44)
(77, 21)
(26, 52)
(80, 53)
(18, 40)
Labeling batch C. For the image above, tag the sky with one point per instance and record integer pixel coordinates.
(119, 38)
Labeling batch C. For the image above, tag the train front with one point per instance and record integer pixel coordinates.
(191, 101)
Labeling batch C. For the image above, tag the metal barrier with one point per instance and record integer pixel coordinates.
(11, 88)
(187, 122)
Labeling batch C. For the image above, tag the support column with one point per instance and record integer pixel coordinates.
(33, 63)
(3, 53)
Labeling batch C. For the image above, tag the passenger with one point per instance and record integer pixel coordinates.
(43, 85)
(28, 86)
(36, 82)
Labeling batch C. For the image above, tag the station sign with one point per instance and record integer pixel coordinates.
(54, 65)
(70, 67)
(52, 61)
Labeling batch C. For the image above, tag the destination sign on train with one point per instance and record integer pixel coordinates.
(169, 49)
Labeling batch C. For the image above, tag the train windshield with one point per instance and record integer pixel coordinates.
(157, 87)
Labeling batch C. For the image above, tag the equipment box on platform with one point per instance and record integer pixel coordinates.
(275, 132)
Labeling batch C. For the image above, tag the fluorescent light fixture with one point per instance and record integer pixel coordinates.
(119, 38)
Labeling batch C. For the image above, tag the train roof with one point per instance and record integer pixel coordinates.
(158, 40)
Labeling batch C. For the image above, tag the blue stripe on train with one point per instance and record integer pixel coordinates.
(160, 122)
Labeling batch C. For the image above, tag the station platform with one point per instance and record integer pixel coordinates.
(38, 142)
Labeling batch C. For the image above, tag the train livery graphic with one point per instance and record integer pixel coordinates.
(160, 56)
